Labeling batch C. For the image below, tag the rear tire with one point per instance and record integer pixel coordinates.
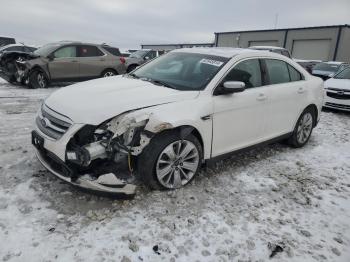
(38, 79)
(109, 72)
(159, 171)
(303, 128)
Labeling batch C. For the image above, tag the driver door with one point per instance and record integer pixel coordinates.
(65, 63)
(238, 119)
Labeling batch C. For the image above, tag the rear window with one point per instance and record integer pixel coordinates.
(113, 50)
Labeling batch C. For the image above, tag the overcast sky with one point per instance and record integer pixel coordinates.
(128, 23)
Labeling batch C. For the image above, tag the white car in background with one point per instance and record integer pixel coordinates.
(338, 91)
(172, 114)
(326, 70)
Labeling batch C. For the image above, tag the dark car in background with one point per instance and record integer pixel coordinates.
(139, 57)
(326, 70)
(17, 47)
(65, 62)
(308, 64)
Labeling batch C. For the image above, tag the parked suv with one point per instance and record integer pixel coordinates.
(139, 57)
(71, 61)
(170, 115)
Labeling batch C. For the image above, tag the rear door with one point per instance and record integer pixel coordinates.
(65, 63)
(287, 94)
(92, 61)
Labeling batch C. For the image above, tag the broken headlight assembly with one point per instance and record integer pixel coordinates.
(113, 140)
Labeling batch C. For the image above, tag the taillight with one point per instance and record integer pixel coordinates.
(122, 60)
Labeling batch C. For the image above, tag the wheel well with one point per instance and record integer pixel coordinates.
(186, 130)
(313, 107)
(109, 69)
(37, 67)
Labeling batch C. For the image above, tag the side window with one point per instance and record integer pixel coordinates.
(248, 72)
(294, 74)
(151, 54)
(278, 71)
(65, 52)
(89, 51)
(285, 53)
(14, 48)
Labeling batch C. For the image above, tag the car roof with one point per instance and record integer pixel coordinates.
(228, 52)
(334, 62)
(68, 42)
(267, 47)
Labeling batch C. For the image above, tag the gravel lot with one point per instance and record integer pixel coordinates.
(295, 202)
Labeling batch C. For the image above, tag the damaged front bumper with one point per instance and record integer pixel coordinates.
(105, 185)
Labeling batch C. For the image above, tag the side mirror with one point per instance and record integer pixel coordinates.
(51, 57)
(230, 87)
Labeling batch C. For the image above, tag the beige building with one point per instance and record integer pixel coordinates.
(317, 43)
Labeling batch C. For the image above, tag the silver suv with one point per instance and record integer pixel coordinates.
(70, 61)
(140, 57)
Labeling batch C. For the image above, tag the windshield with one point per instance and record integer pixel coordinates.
(345, 74)
(182, 71)
(139, 53)
(46, 49)
(327, 67)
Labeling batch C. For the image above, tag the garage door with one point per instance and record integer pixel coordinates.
(263, 43)
(312, 49)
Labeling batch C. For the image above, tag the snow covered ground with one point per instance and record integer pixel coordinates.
(296, 201)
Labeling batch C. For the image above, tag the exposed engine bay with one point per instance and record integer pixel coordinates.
(106, 155)
(12, 65)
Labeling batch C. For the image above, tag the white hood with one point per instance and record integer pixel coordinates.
(338, 83)
(95, 101)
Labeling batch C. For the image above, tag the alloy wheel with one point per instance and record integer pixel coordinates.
(304, 128)
(109, 73)
(41, 80)
(177, 164)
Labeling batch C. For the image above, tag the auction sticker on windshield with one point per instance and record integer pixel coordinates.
(211, 62)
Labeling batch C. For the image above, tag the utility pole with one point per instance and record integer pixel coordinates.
(276, 20)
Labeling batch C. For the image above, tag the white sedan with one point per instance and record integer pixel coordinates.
(166, 118)
(338, 91)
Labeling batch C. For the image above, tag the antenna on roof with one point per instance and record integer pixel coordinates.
(276, 20)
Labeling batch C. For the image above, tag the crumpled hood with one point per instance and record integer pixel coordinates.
(95, 101)
(338, 83)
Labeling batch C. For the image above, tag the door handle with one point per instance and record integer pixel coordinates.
(301, 90)
(261, 97)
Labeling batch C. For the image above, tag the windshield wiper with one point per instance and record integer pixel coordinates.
(160, 82)
(134, 76)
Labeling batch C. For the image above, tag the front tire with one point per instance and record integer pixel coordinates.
(169, 161)
(303, 129)
(38, 79)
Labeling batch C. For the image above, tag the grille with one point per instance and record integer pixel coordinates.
(338, 93)
(346, 107)
(51, 123)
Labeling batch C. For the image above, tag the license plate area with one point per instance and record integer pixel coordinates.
(37, 140)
